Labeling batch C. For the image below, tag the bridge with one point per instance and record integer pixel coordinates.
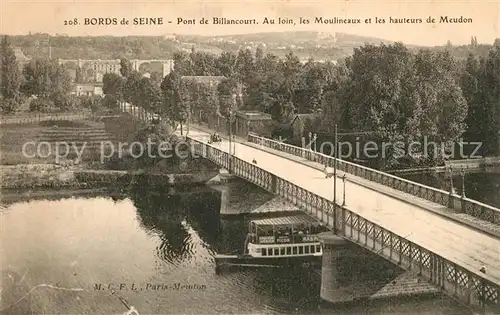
(450, 240)
(393, 223)
(113, 65)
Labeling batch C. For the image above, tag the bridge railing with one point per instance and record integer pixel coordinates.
(473, 289)
(465, 205)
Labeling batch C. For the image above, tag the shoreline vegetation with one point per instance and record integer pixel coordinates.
(20, 172)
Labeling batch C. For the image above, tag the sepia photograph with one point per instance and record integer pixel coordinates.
(249, 157)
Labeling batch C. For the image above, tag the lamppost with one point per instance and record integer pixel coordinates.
(463, 182)
(315, 137)
(230, 138)
(187, 121)
(312, 140)
(230, 123)
(451, 180)
(335, 184)
(343, 181)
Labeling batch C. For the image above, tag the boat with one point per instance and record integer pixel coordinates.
(279, 241)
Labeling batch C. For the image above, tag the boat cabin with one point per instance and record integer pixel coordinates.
(285, 236)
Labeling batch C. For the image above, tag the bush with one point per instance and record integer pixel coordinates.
(9, 105)
(110, 102)
(94, 103)
(41, 105)
(66, 102)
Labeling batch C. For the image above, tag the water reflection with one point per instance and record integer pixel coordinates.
(178, 219)
(150, 236)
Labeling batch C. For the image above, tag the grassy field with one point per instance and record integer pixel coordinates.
(14, 136)
(89, 137)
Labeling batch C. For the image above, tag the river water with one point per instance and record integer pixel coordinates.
(63, 256)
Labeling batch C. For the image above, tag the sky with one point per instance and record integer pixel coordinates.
(18, 17)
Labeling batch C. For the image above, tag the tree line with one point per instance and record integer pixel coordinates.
(43, 83)
(391, 91)
(388, 90)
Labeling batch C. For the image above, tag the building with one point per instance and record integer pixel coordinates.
(242, 123)
(94, 69)
(101, 67)
(88, 89)
(204, 79)
(252, 121)
(302, 124)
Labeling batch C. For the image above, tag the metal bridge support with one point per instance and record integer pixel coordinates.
(336, 281)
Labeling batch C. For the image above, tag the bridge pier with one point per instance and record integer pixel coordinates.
(336, 279)
(240, 197)
(344, 271)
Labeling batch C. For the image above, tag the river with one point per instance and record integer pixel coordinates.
(62, 256)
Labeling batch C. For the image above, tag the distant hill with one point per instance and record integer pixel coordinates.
(305, 44)
(317, 45)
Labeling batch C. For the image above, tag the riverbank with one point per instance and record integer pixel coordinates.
(71, 176)
(49, 170)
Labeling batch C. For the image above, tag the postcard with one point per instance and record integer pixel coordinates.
(249, 157)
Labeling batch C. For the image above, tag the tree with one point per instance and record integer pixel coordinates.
(10, 77)
(313, 80)
(156, 77)
(131, 92)
(172, 106)
(334, 112)
(481, 88)
(226, 64)
(182, 64)
(125, 67)
(227, 91)
(259, 59)
(489, 82)
(471, 91)
(41, 105)
(151, 95)
(44, 77)
(113, 85)
(291, 69)
(65, 102)
(203, 64)
(244, 64)
(403, 97)
(78, 75)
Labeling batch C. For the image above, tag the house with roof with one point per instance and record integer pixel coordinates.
(243, 122)
(252, 121)
(88, 89)
(303, 124)
(210, 80)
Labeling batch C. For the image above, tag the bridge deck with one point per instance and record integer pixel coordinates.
(404, 216)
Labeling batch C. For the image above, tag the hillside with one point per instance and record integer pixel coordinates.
(320, 46)
(328, 46)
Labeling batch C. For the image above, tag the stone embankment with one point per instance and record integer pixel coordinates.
(74, 176)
